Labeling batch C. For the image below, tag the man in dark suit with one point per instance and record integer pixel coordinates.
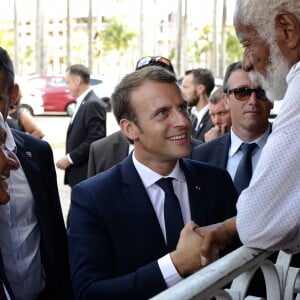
(119, 241)
(88, 123)
(197, 86)
(32, 225)
(249, 112)
(106, 152)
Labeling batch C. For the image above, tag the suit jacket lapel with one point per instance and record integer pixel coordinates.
(137, 203)
(195, 185)
(78, 112)
(221, 151)
(30, 164)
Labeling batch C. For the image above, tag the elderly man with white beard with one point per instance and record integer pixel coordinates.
(268, 211)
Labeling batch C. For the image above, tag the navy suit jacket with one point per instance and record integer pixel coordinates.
(89, 124)
(36, 158)
(115, 238)
(214, 152)
(4, 280)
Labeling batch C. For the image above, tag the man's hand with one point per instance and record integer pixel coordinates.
(187, 256)
(216, 237)
(63, 163)
(215, 132)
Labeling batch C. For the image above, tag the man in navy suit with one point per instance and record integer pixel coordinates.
(117, 235)
(249, 112)
(33, 239)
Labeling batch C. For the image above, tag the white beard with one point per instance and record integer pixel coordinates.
(275, 83)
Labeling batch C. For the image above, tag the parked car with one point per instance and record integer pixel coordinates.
(32, 102)
(56, 96)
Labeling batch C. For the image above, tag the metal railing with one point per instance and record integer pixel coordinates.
(282, 281)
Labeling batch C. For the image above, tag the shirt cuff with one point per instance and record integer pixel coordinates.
(169, 271)
(69, 159)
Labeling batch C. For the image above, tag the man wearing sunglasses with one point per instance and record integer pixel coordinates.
(249, 109)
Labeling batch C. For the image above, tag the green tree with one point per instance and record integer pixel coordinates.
(203, 46)
(116, 37)
(234, 49)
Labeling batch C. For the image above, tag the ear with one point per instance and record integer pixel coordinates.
(225, 100)
(14, 95)
(201, 89)
(129, 129)
(288, 30)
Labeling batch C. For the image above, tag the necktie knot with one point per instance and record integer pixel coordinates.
(244, 171)
(166, 184)
(247, 148)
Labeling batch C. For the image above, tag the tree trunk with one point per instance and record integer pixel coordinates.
(223, 40)
(90, 37)
(214, 61)
(69, 32)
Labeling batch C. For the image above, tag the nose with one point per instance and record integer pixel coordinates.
(252, 99)
(246, 63)
(217, 120)
(181, 119)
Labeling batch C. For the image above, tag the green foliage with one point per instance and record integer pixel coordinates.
(203, 44)
(234, 49)
(7, 41)
(116, 37)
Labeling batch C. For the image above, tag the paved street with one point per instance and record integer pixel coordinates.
(55, 127)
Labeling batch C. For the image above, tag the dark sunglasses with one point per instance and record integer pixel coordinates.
(244, 93)
(154, 61)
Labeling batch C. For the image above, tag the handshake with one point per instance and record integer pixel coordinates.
(199, 246)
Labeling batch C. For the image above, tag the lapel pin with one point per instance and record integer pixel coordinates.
(198, 187)
(28, 154)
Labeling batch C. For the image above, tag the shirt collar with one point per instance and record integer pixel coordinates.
(202, 111)
(149, 177)
(9, 142)
(236, 141)
(82, 96)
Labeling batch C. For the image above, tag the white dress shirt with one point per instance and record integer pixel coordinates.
(157, 196)
(235, 155)
(199, 114)
(268, 215)
(20, 236)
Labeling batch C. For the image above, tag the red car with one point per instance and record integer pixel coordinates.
(55, 94)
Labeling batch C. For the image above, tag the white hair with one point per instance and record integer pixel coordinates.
(261, 14)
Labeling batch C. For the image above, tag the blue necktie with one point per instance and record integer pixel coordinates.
(244, 171)
(172, 212)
